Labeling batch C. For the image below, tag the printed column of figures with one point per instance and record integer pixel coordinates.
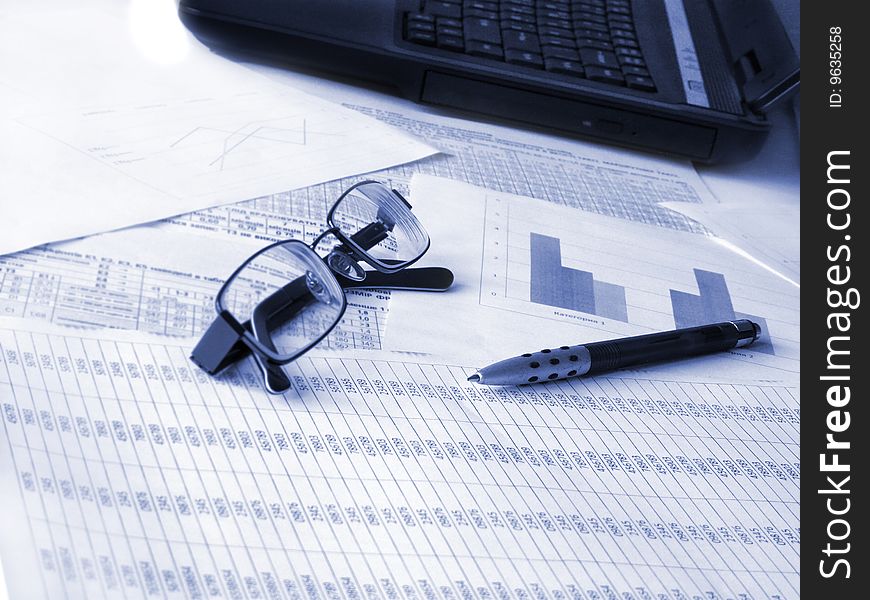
(70, 288)
(390, 479)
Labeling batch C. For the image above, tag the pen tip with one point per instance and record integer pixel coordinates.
(474, 378)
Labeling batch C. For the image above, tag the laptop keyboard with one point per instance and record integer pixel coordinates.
(592, 39)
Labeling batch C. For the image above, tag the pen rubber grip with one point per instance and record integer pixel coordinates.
(657, 347)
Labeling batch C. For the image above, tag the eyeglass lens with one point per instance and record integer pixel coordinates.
(380, 224)
(289, 295)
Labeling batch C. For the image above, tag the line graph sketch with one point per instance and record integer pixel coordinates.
(230, 147)
(286, 130)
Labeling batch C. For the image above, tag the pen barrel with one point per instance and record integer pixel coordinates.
(670, 345)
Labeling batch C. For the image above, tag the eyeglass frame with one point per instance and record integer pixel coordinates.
(227, 340)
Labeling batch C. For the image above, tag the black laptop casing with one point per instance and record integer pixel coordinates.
(363, 39)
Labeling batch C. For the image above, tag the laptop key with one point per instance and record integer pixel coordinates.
(517, 26)
(605, 75)
(620, 25)
(591, 25)
(625, 43)
(595, 44)
(632, 61)
(520, 40)
(592, 34)
(599, 58)
(592, 8)
(554, 14)
(517, 18)
(626, 35)
(427, 38)
(442, 30)
(555, 32)
(560, 53)
(445, 22)
(636, 82)
(557, 23)
(482, 30)
(452, 10)
(481, 14)
(526, 59)
(563, 67)
(450, 42)
(483, 49)
(620, 52)
(561, 42)
(629, 70)
(615, 18)
(517, 9)
(564, 5)
(591, 17)
(481, 5)
(417, 21)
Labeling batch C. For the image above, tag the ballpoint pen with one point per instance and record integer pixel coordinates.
(598, 357)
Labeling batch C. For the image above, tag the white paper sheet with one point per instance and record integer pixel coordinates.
(97, 135)
(126, 472)
(755, 204)
(765, 226)
(640, 279)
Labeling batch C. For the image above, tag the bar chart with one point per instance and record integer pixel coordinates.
(610, 279)
(554, 284)
(713, 303)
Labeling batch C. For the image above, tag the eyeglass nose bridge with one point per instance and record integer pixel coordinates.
(341, 259)
(345, 265)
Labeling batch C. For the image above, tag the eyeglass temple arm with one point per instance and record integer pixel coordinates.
(277, 308)
(371, 235)
(222, 344)
(285, 303)
(421, 279)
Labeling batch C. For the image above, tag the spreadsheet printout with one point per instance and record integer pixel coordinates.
(156, 279)
(126, 472)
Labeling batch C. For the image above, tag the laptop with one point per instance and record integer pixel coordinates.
(691, 78)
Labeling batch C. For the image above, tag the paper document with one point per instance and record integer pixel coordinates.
(97, 135)
(755, 204)
(532, 275)
(765, 226)
(631, 189)
(299, 214)
(126, 472)
(153, 279)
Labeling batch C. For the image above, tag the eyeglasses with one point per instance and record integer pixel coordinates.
(285, 299)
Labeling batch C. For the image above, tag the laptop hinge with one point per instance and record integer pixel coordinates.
(764, 62)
